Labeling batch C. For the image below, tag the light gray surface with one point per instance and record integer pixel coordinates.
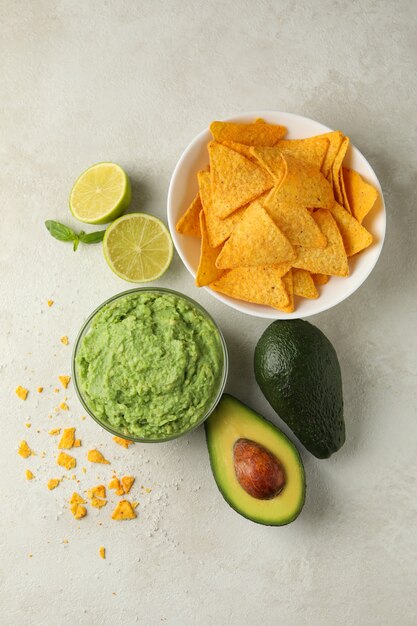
(134, 82)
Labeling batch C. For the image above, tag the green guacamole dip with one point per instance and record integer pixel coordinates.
(150, 364)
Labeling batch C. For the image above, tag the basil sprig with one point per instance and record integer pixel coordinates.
(65, 233)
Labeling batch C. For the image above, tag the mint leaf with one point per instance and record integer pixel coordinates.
(95, 237)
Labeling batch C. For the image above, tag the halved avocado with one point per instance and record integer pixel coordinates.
(256, 467)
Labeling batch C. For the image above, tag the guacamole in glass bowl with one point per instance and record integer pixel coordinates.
(149, 364)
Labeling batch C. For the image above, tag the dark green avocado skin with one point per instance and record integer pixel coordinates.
(298, 371)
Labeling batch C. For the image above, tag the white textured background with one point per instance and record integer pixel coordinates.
(134, 81)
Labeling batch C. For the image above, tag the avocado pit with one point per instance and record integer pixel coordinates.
(257, 470)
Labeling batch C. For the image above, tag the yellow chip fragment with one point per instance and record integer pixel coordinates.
(98, 502)
(77, 443)
(76, 499)
(127, 482)
(54, 431)
(21, 392)
(64, 339)
(94, 456)
(78, 511)
(53, 483)
(65, 381)
(102, 552)
(24, 450)
(39, 389)
(49, 302)
(123, 511)
(123, 442)
(29, 475)
(67, 439)
(97, 492)
(65, 460)
(64, 406)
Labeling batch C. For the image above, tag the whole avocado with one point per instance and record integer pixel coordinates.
(298, 371)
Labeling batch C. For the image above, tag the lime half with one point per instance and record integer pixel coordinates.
(138, 247)
(100, 194)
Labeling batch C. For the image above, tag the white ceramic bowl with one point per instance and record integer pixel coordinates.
(183, 187)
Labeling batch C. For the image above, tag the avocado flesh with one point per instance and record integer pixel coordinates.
(298, 372)
(232, 420)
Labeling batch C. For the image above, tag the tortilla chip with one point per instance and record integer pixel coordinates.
(355, 236)
(255, 134)
(207, 271)
(329, 260)
(189, 223)
(335, 139)
(218, 230)
(313, 150)
(304, 284)
(345, 202)
(320, 279)
(287, 279)
(235, 180)
(256, 240)
(67, 439)
(336, 167)
(295, 222)
(273, 161)
(361, 195)
(261, 285)
(304, 185)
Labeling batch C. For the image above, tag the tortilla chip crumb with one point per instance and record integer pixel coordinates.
(65, 460)
(29, 475)
(54, 431)
(73, 477)
(24, 449)
(77, 443)
(39, 389)
(76, 498)
(84, 470)
(148, 490)
(65, 541)
(67, 439)
(99, 491)
(123, 442)
(65, 381)
(94, 456)
(124, 510)
(83, 417)
(102, 552)
(127, 482)
(114, 483)
(53, 483)
(49, 302)
(42, 455)
(64, 406)
(98, 502)
(22, 392)
(135, 504)
(78, 511)
(64, 339)
(28, 425)
(56, 390)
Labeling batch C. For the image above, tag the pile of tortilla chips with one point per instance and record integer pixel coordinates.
(276, 216)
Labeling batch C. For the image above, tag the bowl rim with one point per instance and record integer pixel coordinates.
(84, 329)
(251, 308)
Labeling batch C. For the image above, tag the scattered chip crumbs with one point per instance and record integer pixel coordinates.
(65, 541)
(78, 511)
(102, 552)
(76, 499)
(77, 443)
(28, 425)
(29, 475)
(50, 303)
(98, 502)
(39, 389)
(135, 504)
(73, 477)
(64, 339)
(94, 456)
(24, 450)
(56, 390)
(64, 406)
(65, 381)
(67, 440)
(127, 482)
(65, 460)
(54, 431)
(147, 490)
(53, 483)
(123, 442)
(83, 417)
(97, 492)
(84, 470)
(22, 392)
(124, 510)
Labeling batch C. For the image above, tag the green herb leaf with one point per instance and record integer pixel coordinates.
(60, 231)
(76, 242)
(95, 237)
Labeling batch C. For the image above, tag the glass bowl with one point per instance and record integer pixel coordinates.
(124, 433)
